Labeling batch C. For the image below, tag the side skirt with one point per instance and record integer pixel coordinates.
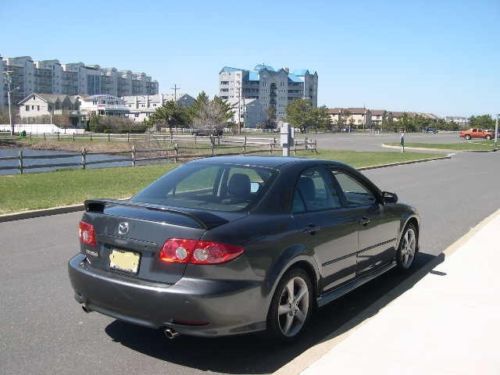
(332, 295)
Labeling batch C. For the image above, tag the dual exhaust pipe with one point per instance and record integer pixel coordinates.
(170, 333)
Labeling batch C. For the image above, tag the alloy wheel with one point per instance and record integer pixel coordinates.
(293, 306)
(408, 248)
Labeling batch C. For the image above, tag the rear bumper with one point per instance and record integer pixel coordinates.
(192, 306)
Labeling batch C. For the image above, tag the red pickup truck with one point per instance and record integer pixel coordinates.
(476, 133)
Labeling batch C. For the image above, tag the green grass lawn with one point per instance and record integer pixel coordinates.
(52, 189)
(461, 146)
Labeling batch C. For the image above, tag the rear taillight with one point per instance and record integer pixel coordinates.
(86, 233)
(178, 250)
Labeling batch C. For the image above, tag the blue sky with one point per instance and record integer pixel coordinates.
(432, 56)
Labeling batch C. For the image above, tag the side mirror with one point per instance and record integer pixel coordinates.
(389, 197)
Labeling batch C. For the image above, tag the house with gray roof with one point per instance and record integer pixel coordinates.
(36, 107)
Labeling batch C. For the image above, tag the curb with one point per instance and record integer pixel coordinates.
(433, 149)
(39, 213)
(80, 207)
(405, 162)
(314, 353)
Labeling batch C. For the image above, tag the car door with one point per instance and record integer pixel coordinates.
(377, 228)
(325, 227)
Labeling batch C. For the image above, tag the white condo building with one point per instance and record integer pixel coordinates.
(274, 89)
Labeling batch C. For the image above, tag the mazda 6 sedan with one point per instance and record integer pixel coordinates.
(232, 245)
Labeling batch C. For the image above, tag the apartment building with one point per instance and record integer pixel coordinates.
(274, 89)
(52, 77)
(354, 117)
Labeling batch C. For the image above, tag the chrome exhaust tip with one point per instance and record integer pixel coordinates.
(86, 309)
(170, 333)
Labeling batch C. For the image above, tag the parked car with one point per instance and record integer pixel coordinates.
(207, 132)
(476, 133)
(431, 130)
(232, 245)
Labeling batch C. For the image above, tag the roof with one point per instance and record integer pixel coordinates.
(295, 78)
(263, 161)
(49, 98)
(253, 76)
(228, 69)
(260, 67)
(352, 111)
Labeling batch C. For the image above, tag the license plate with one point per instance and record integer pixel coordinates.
(124, 260)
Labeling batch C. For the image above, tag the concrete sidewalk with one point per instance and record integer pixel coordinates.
(448, 323)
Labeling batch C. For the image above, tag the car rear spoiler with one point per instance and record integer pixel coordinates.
(205, 220)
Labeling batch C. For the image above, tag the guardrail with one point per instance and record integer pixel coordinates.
(175, 153)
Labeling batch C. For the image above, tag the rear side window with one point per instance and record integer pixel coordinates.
(209, 187)
(314, 192)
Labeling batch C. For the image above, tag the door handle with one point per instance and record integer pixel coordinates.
(311, 229)
(364, 221)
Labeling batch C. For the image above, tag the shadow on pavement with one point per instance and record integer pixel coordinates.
(254, 354)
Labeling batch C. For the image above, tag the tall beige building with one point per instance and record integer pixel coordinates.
(52, 77)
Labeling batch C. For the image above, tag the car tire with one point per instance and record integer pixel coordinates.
(488, 137)
(467, 137)
(407, 249)
(291, 306)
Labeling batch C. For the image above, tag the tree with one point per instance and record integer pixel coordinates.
(483, 121)
(270, 118)
(299, 114)
(170, 115)
(321, 118)
(212, 114)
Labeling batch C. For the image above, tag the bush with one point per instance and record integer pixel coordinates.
(113, 124)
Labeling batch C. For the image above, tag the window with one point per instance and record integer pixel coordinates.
(314, 193)
(27, 108)
(356, 193)
(212, 187)
(37, 107)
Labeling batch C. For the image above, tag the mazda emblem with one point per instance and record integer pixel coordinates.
(123, 228)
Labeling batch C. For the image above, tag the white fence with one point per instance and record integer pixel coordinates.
(40, 129)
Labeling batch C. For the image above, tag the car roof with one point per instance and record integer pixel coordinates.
(264, 161)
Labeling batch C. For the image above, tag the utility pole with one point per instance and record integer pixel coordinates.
(175, 88)
(496, 131)
(239, 109)
(9, 100)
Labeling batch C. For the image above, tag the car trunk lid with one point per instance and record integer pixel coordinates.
(130, 236)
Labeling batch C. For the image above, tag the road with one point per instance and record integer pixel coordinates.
(373, 142)
(43, 331)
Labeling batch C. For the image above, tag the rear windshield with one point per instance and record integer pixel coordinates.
(223, 187)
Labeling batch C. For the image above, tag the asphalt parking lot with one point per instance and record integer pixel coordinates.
(43, 331)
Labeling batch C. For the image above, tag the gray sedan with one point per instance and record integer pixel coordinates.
(232, 245)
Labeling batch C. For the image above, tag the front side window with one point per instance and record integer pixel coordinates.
(209, 187)
(355, 192)
(314, 192)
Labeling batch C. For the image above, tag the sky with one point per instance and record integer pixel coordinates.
(438, 56)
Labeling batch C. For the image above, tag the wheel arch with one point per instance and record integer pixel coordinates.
(294, 257)
(412, 219)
